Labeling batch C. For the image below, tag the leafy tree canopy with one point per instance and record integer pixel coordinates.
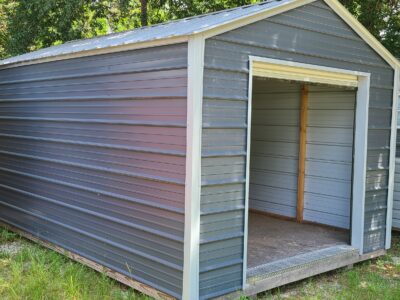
(27, 25)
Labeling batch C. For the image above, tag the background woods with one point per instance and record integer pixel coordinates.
(27, 25)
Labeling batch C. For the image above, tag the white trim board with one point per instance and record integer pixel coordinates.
(190, 288)
(392, 160)
(247, 185)
(360, 140)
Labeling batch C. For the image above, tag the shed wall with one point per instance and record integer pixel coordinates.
(312, 34)
(329, 161)
(274, 164)
(92, 158)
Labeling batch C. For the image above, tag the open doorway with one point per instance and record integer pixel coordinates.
(301, 170)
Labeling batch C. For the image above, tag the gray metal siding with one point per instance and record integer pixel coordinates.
(327, 197)
(311, 34)
(92, 158)
(274, 147)
(396, 196)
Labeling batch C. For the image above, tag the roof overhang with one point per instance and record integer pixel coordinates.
(120, 48)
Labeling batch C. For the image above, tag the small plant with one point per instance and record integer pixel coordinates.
(7, 236)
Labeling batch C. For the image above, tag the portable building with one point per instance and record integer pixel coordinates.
(214, 156)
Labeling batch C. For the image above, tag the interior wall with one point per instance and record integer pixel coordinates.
(275, 150)
(329, 160)
(274, 147)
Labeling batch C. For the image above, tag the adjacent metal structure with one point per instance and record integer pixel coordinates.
(396, 195)
(132, 151)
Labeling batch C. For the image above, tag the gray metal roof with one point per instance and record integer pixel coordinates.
(179, 28)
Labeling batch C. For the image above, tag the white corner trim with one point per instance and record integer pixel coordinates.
(254, 17)
(247, 187)
(360, 150)
(360, 144)
(338, 8)
(392, 160)
(190, 290)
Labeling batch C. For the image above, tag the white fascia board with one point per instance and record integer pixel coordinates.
(190, 289)
(121, 48)
(392, 160)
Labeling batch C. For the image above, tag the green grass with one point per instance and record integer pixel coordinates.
(29, 271)
(35, 272)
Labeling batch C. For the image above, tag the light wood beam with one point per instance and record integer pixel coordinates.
(302, 152)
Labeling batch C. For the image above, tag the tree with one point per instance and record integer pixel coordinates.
(143, 9)
(34, 24)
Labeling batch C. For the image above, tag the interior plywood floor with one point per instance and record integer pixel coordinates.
(272, 239)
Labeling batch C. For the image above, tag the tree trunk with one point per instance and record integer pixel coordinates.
(143, 4)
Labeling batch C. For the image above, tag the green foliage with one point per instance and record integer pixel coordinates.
(34, 24)
(27, 25)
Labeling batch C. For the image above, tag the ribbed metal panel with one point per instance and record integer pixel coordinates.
(330, 128)
(274, 147)
(310, 34)
(92, 158)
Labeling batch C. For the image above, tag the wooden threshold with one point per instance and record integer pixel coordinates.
(258, 285)
(141, 287)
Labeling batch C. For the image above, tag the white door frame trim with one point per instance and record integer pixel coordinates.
(190, 289)
(360, 147)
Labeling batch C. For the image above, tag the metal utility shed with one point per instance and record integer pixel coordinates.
(218, 155)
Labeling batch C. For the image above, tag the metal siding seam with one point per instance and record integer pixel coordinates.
(392, 162)
(190, 289)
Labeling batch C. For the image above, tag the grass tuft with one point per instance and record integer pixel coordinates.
(37, 273)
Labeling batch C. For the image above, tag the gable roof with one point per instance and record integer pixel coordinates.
(180, 30)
